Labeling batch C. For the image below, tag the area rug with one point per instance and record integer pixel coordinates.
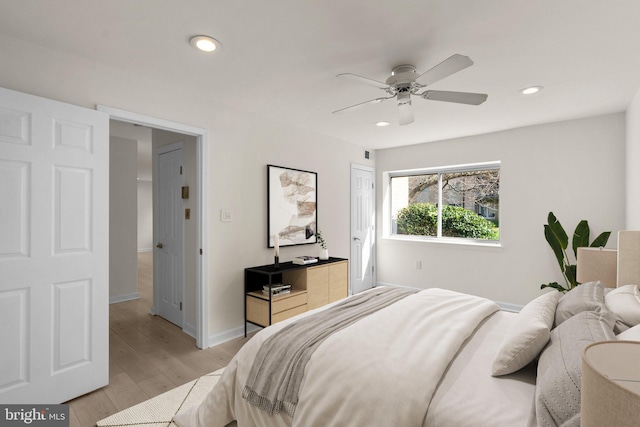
(159, 411)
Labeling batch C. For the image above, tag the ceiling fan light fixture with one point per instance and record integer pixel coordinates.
(205, 43)
(382, 124)
(531, 90)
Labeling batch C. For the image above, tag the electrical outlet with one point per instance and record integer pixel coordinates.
(226, 215)
(418, 265)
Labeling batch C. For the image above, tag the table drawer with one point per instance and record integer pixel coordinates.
(286, 302)
(277, 317)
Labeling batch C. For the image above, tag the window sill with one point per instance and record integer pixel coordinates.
(445, 241)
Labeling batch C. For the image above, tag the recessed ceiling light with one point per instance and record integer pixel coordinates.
(382, 124)
(205, 43)
(531, 90)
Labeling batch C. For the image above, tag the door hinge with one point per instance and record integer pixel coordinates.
(201, 251)
(180, 170)
(181, 306)
(372, 184)
(373, 268)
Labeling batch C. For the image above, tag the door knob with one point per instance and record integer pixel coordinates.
(159, 246)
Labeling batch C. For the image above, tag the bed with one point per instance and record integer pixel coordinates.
(430, 358)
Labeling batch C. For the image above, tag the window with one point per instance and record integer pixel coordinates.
(455, 202)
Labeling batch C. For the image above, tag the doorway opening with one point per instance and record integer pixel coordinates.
(194, 141)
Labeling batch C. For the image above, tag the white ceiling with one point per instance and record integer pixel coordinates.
(280, 57)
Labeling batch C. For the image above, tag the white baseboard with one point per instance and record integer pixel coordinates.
(393, 285)
(189, 329)
(145, 250)
(225, 336)
(123, 298)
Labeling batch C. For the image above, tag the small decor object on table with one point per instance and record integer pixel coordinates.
(279, 289)
(304, 259)
(324, 252)
(276, 245)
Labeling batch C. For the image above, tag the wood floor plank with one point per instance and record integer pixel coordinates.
(93, 407)
(124, 392)
(172, 367)
(73, 418)
(156, 385)
(131, 362)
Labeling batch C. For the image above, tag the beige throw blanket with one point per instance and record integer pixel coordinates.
(381, 371)
(278, 368)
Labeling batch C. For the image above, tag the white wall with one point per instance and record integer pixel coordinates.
(575, 169)
(145, 216)
(123, 216)
(125, 210)
(241, 145)
(633, 164)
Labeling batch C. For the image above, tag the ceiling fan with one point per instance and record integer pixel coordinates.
(404, 82)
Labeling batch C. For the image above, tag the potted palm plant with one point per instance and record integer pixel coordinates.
(559, 241)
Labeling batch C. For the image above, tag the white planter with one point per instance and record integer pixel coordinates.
(324, 254)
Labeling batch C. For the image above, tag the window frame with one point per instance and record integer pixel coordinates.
(440, 171)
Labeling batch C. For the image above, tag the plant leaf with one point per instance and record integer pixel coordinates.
(601, 240)
(554, 285)
(570, 274)
(580, 237)
(558, 231)
(555, 245)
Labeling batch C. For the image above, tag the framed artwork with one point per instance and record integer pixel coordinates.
(292, 214)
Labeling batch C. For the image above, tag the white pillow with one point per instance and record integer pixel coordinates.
(624, 302)
(631, 334)
(527, 336)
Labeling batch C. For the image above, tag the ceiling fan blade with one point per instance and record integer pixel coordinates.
(362, 104)
(365, 80)
(405, 110)
(458, 97)
(449, 66)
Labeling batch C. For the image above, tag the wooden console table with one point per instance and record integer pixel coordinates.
(312, 285)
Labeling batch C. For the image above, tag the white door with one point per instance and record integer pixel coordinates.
(54, 228)
(362, 228)
(169, 255)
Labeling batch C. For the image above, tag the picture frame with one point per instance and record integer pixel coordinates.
(292, 210)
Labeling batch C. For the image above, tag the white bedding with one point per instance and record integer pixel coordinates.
(468, 396)
(383, 370)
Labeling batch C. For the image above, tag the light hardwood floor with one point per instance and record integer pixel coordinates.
(147, 356)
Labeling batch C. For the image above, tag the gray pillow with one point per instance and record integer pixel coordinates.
(560, 368)
(586, 297)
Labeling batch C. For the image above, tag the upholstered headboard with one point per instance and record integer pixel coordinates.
(612, 267)
(628, 258)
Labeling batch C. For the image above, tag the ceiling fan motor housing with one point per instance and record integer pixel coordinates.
(403, 79)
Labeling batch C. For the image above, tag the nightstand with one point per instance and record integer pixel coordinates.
(610, 393)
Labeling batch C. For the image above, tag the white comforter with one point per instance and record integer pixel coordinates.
(381, 371)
